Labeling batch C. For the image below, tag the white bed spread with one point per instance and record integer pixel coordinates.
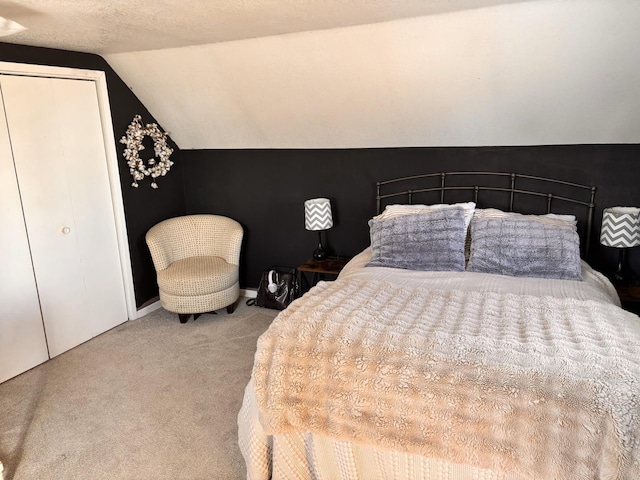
(500, 377)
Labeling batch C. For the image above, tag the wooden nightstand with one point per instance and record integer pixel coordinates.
(319, 268)
(630, 297)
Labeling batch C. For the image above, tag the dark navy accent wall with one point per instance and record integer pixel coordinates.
(265, 190)
(144, 206)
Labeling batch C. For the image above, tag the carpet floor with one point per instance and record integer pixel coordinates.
(150, 399)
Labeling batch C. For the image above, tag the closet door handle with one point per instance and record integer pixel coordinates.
(66, 230)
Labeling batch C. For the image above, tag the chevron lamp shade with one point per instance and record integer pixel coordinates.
(317, 214)
(620, 227)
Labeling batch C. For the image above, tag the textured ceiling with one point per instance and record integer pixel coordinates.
(113, 26)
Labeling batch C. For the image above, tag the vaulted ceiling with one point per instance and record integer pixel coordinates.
(114, 26)
(362, 73)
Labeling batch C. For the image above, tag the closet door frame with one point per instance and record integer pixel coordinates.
(100, 81)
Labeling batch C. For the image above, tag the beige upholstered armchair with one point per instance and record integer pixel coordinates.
(196, 258)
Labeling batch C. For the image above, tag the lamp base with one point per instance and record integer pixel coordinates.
(625, 278)
(624, 275)
(320, 253)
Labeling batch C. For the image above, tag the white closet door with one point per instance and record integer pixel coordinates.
(58, 148)
(22, 341)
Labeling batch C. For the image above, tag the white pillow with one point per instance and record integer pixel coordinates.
(548, 219)
(395, 210)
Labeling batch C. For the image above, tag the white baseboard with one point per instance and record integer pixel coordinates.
(148, 309)
(248, 293)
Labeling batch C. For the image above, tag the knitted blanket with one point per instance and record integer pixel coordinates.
(544, 387)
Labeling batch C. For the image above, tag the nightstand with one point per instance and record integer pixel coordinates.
(318, 269)
(629, 296)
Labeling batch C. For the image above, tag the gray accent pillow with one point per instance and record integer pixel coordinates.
(422, 241)
(523, 247)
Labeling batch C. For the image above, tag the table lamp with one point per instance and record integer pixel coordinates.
(621, 229)
(317, 217)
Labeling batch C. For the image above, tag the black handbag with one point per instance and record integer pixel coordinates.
(278, 288)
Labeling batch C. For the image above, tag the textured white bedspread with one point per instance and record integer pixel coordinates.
(534, 377)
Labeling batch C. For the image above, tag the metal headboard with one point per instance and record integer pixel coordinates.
(406, 188)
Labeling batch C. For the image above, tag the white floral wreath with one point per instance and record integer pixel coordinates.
(133, 141)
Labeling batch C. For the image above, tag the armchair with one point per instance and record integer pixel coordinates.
(196, 258)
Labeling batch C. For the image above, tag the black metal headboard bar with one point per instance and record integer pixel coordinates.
(477, 189)
(587, 201)
(494, 174)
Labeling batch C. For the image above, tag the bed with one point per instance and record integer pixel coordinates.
(466, 342)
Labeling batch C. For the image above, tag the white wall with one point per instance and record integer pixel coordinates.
(530, 73)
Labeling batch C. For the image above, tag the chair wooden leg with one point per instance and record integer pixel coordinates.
(231, 308)
(184, 317)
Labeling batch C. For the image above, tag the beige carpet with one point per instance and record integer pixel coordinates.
(150, 399)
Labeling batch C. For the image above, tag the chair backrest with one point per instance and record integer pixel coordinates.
(192, 236)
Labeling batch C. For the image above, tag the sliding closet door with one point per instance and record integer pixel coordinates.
(58, 149)
(22, 341)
